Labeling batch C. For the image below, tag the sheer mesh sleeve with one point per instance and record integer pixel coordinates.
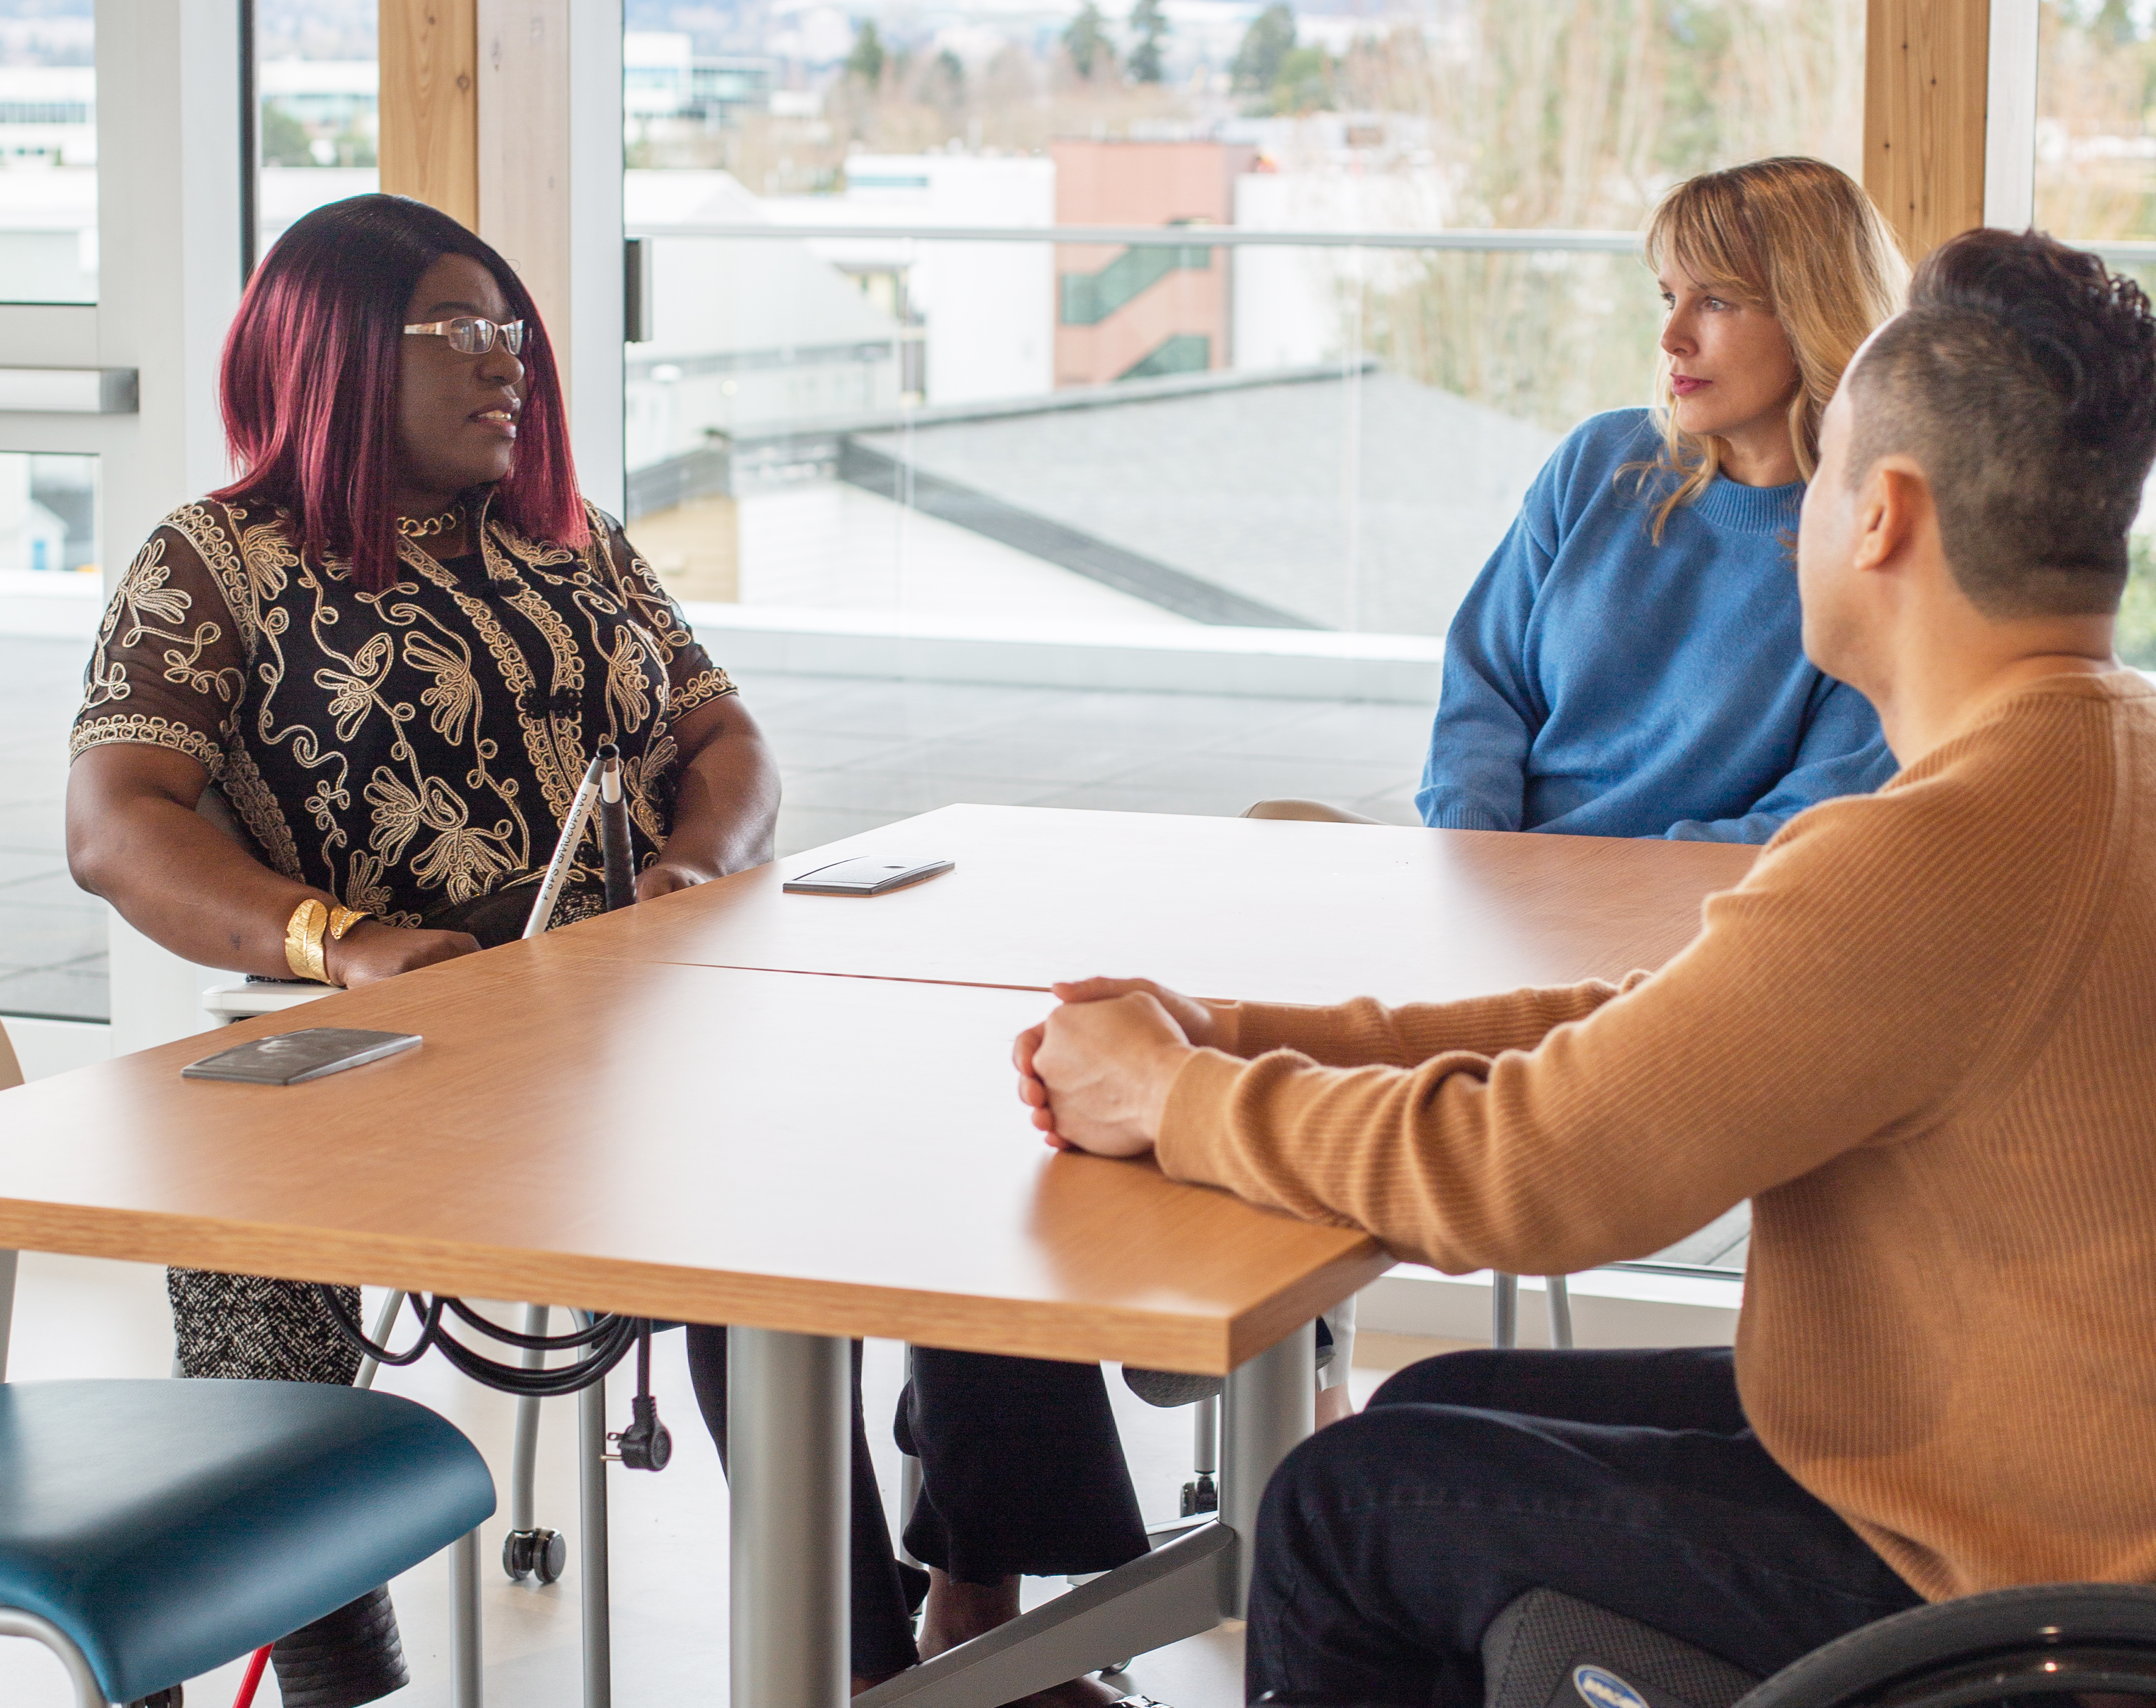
(170, 662)
(691, 677)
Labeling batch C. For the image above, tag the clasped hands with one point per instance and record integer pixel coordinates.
(1096, 1072)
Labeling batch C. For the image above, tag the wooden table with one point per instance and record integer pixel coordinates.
(667, 1111)
(827, 1156)
(1272, 910)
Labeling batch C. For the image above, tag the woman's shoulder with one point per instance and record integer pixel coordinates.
(1590, 464)
(1611, 440)
(211, 523)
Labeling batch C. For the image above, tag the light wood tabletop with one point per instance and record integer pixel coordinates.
(1266, 910)
(832, 1156)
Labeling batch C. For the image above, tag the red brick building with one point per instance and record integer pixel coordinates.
(1130, 313)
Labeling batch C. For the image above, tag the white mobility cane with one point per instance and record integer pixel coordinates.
(573, 833)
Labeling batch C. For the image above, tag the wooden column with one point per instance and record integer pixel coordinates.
(429, 104)
(522, 150)
(1927, 64)
(476, 121)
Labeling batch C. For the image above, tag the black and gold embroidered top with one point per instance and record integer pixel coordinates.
(412, 750)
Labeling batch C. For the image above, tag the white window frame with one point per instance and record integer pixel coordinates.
(168, 280)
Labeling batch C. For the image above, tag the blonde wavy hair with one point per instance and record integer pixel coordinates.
(1800, 239)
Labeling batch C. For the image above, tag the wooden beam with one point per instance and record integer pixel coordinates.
(1925, 68)
(523, 152)
(429, 104)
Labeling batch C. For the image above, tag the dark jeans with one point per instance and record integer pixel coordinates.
(1022, 1474)
(1388, 1543)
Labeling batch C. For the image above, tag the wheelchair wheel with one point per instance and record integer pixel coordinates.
(2045, 1641)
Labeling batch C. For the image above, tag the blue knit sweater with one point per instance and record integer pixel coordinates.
(1600, 685)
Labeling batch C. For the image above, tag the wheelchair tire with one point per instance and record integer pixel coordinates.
(2098, 1638)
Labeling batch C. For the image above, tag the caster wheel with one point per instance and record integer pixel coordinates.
(1201, 1495)
(170, 1697)
(1115, 1666)
(534, 1553)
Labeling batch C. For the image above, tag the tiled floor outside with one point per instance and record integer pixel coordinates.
(856, 754)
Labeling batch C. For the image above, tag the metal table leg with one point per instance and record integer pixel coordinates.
(385, 1320)
(1270, 1407)
(524, 1459)
(591, 1543)
(1560, 1312)
(464, 1622)
(909, 1482)
(7, 1306)
(789, 1417)
(1504, 1312)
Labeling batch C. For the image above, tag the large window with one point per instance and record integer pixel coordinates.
(52, 935)
(2095, 184)
(884, 378)
(316, 88)
(48, 152)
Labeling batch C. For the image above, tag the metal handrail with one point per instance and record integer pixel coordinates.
(1472, 240)
(1162, 236)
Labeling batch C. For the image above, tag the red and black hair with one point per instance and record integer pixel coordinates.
(310, 380)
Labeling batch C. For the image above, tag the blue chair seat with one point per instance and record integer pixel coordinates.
(170, 1526)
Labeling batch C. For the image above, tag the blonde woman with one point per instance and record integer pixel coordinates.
(1629, 662)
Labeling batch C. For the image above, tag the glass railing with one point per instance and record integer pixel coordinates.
(1099, 431)
(1108, 429)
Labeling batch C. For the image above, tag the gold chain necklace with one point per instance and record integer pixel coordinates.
(432, 525)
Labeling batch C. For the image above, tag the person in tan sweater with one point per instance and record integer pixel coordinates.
(1920, 1036)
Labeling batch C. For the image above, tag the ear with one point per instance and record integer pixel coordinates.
(1891, 510)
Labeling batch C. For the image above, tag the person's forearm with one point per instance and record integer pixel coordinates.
(1367, 1034)
(183, 883)
(726, 803)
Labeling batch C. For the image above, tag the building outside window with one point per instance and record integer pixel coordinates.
(52, 936)
(1122, 439)
(2096, 183)
(47, 152)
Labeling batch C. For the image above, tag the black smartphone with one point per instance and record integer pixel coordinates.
(287, 1059)
(869, 875)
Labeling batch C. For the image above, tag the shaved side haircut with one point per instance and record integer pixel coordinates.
(2022, 379)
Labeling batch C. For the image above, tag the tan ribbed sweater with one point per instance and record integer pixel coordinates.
(1921, 1036)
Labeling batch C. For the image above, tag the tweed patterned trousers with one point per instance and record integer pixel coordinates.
(251, 1329)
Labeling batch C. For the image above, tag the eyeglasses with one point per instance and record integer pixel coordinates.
(470, 336)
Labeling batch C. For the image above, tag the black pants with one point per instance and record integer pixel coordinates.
(1022, 1474)
(1388, 1543)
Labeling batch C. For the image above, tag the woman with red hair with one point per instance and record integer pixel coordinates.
(391, 647)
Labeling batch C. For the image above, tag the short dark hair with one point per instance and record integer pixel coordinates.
(2023, 379)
